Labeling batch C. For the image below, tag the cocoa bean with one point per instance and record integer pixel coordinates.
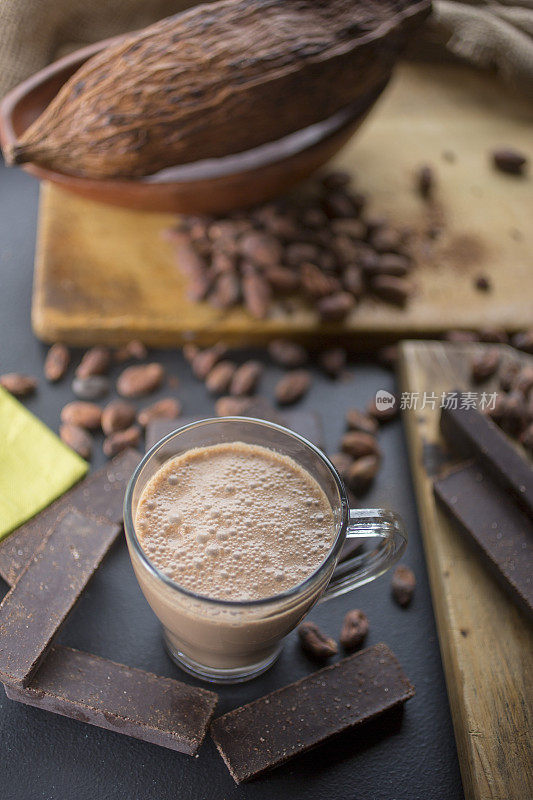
(515, 414)
(352, 279)
(354, 228)
(134, 350)
(92, 388)
(460, 337)
(341, 204)
(56, 362)
(222, 263)
(362, 473)
(226, 291)
(358, 444)
(335, 307)
(200, 286)
(256, 293)
(354, 629)
(77, 439)
(117, 416)
(119, 441)
(403, 585)
(262, 249)
(220, 377)
(314, 218)
(285, 353)
(496, 410)
(300, 252)
(342, 463)
(333, 361)
(282, 280)
(493, 336)
(523, 341)
(232, 406)
(246, 378)
(190, 351)
(167, 408)
(383, 413)
(392, 289)
(509, 160)
(386, 240)
(392, 264)
(140, 380)
(335, 181)
(524, 381)
(203, 362)
(526, 438)
(425, 182)
(82, 414)
(316, 283)
(17, 384)
(357, 421)
(316, 643)
(485, 364)
(293, 386)
(95, 361)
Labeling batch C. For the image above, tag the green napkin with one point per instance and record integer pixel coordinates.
(35, 466)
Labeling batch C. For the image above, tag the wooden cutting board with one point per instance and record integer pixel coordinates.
(486, 642)
(105, 274)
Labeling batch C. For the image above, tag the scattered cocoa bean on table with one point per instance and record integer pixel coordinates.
(117, 416)
(77, 439)
(354, 629)
(403, 585)
(56, 362)
(82, 414)
(95, 361)
(17, 384)
(316, 643)
(140, 380)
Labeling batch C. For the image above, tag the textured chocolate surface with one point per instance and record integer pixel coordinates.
(501, 532)
(269, 731)
(34, 609)
(99, 496)
(474, 435)
(100, 692)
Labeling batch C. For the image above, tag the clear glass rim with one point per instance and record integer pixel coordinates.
(131, 535)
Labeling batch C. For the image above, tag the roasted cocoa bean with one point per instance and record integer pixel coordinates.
(316, 283)
(232, 406)
(17, 384)
(335, 307)
(403, 585)
(203, 362)
(358, 444)
(301, 252)
(357, 421)
(362, 473)
(82, 414)
(282, 280)
(509, 160)
(485, 364)
(167, 408)
(352, 279)
(140, 380)
(392, 289)
(117, 416)
(293, 386)
(77, 439)
(262, 249)
(246, 378)
(354, 629)
(386, 240)
(523, 341)
(56, 362)
(341, 204)
(333, 361)
(285, 353)
(515, 414)
(256, 293)
(95, 361)
(524, 381)
(220, 377)
(119, 441)
(226, 291)
(354, 228)
(316, 643)
(92, 388)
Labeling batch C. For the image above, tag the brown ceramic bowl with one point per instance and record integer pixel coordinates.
(211, 186)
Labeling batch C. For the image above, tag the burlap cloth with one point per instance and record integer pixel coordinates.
(494, 35)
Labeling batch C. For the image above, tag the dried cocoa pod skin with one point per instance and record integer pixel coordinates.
(140, 380)
(17, 384)
(357, 444)
(179, 91)
(56, 362)
(82, 414)
(77, 439)
(167, 408)
(354, 629)
(316, 643)
(245, 378)
(285, 353)
(117, 416)
(403, 585)
(293, 386)
(95, 361)
(119, 441)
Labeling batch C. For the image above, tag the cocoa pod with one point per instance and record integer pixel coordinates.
(245, 378)
(167, 408)
(357, 444)
(119, 441)
(232, 406)
(342, 463)
(357, 421)
(134, 350)
(77, 439)
(293, 386)
(256, 293)
(285, 353)
(17, 384)
(354, 629)
(140, 380)
(203, 362)
(510, 161)
(335, 307)
(92, 388)
(316, 643)
(485, 364)
(220, 377)
(95, 361)
(117, 416)
(82, 414)
(403, 585)
(56, 362)
(362, 473)
(333, 361)
(177, 92)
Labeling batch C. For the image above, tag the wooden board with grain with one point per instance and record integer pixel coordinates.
(486, 642)
(106, 274)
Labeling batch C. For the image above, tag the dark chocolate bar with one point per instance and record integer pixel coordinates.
(268, 732)
(306, 423)
(474, 435)
(98, 496)
(501, 532)
(159, 710)
(34, 609)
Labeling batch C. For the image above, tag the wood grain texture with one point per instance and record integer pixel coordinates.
(486, 642)
(105, 274)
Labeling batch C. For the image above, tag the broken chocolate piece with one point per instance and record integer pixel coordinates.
(34, 609)
(473, 435)
(502, 534)
(99, 496)
(268, 732)
(100, 692)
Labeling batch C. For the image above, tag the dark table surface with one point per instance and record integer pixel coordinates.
(47, 756)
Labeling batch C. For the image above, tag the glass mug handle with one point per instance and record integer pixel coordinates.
(365, 522)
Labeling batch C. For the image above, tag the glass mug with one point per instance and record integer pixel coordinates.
(229, 641)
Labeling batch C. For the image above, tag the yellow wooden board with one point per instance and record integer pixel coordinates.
(105, 274)
(486, 642)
